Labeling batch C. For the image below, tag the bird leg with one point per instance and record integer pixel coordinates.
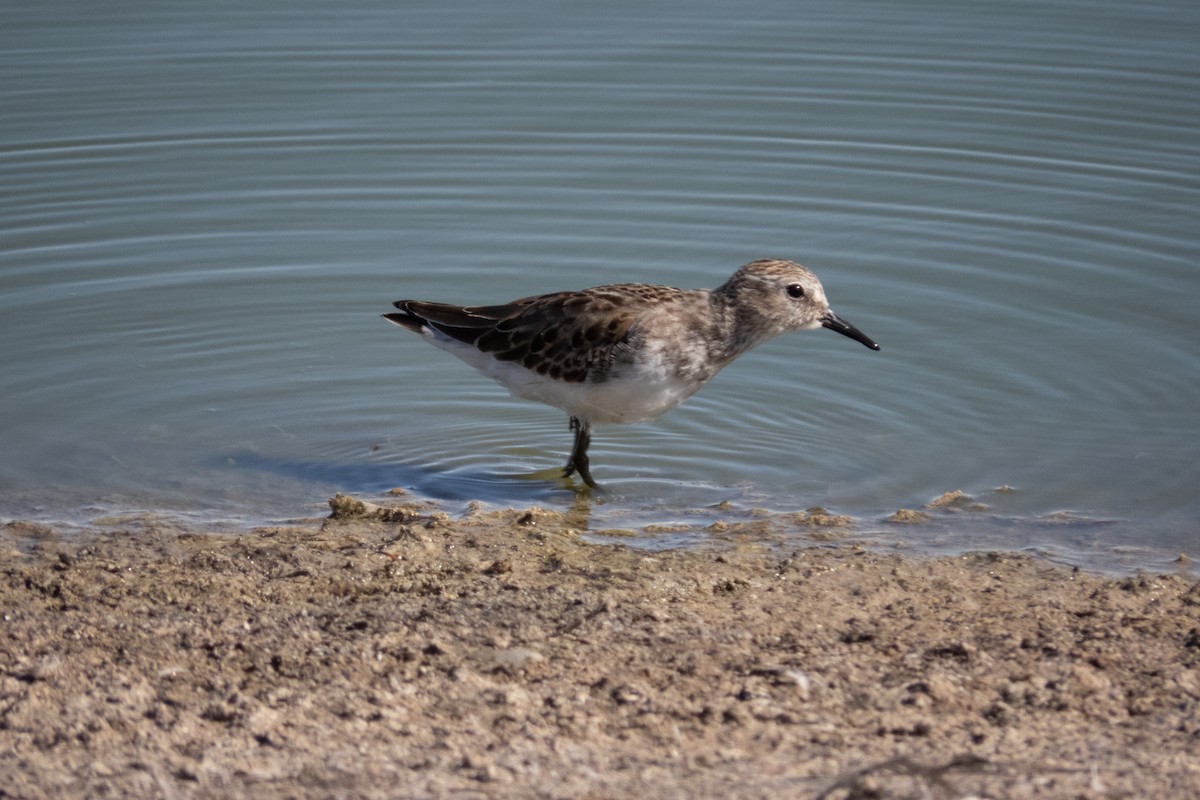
(578, 462)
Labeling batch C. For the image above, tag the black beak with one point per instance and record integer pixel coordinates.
(836, 323)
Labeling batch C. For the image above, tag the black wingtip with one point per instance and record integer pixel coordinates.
(405, 320)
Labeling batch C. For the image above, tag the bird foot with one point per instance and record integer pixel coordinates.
(584, 474)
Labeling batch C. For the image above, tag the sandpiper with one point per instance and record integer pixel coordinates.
(627, 352)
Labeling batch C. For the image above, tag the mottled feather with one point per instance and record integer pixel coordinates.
(574, 336)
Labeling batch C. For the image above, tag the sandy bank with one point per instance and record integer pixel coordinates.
(498, 655)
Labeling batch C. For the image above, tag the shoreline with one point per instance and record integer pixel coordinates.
(406, 653)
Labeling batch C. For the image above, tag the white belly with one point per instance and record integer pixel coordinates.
(637, 393)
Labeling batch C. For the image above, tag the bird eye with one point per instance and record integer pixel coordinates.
(795, 290)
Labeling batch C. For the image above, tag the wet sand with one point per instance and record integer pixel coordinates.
(407, 654)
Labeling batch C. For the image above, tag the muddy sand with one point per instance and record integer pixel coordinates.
(408, 654)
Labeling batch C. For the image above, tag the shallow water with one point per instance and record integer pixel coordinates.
(204, 209)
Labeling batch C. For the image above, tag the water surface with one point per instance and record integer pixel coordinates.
(204, 209)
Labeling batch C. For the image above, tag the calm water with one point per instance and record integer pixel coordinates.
(204, 208)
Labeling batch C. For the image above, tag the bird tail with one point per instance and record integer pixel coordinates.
(405, 320)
